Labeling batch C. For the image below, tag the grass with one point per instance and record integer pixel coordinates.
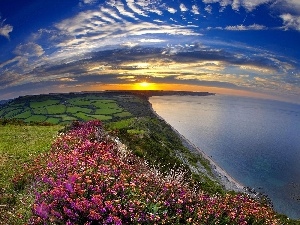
(40, 104)
(12, 113)
(102, 117)
(108, 111)
(36, 118)
(125, 123)
(23, 115)
(76, 109)
(63, 109)
(79, 101)
(19, 145)
(123, 114)
(56, 109)
(53, 120)
(40, 110)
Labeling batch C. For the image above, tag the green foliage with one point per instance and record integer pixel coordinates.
(155, 141)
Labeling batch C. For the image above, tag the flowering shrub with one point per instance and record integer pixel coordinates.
(90, 178)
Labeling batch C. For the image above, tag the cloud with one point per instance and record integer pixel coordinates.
(89, 2)
(133, 6)
(287, 10)
(236, 4)
(150, 6)
(195, 10)
(258, 69)
(183, 8)
(290, 22)
(121, 9)
(208, 9)
(243, 27)
(188, 64)
(151, 40)
(30, 49)
(111, 12)
(240, 27)
(287, 6)
(94, 29)
(5, 29)
(115, 42)
(171, 10)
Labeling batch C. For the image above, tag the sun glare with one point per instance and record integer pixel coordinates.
(144, 86)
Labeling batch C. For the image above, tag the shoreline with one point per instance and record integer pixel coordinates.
(225, 179)
(220, 175)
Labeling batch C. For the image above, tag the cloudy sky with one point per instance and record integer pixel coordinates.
(224, 46)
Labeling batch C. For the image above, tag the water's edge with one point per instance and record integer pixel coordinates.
(225, 179)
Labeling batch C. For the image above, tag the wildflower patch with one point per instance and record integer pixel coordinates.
(89, 177)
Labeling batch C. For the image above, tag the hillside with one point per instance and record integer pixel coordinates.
(127, 117)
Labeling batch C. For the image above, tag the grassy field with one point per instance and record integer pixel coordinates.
(64, 108)
(19, 145)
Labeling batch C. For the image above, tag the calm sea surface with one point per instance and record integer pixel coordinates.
(256, 141)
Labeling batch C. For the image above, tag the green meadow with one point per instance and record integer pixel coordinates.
(65, 108)
(19, 144)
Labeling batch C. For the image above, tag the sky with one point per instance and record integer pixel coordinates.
(240, 47)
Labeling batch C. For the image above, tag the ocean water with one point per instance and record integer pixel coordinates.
(256, 141)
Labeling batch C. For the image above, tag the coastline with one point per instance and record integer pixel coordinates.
(220, 175)
(225, 179)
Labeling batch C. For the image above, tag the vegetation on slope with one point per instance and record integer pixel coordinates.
(19, 144)
(89, 177)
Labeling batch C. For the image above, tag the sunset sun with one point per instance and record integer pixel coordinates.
(144, 86)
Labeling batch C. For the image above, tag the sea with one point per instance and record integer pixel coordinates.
(256, 141)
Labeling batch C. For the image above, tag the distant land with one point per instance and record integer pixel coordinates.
(150, 93)
(3, 101)
(63, 108)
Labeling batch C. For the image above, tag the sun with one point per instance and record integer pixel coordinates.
(144, 86)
